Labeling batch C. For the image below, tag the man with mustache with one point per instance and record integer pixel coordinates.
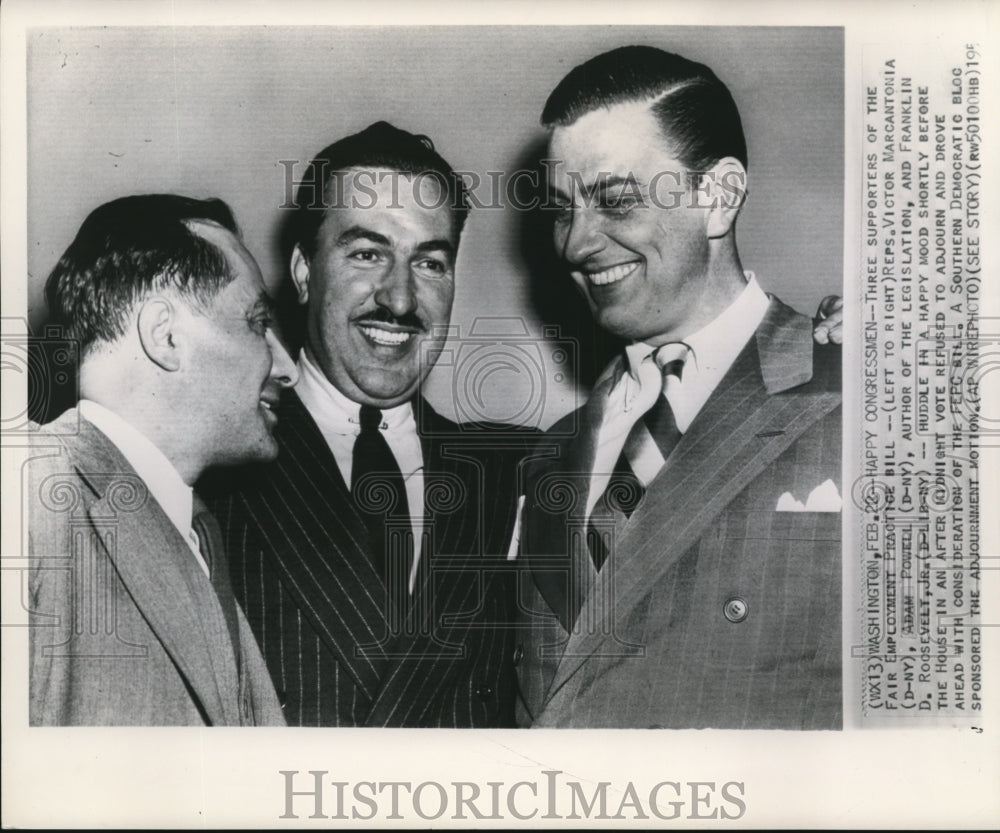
(685, 543)
(133, 618)
(359, 554)
(362, 554)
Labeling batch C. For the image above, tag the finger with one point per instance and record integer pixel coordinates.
(826, 306)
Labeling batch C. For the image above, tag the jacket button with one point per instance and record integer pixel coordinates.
(736, 609)
(484, 692)
(518, 653)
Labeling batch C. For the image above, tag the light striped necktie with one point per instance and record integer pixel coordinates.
(624, 491)
(659, 419)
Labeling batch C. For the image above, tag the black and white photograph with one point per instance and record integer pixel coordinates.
(404, 370)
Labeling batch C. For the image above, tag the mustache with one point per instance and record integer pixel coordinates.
(383, 316)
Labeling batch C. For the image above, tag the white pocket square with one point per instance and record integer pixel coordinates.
(824, 498)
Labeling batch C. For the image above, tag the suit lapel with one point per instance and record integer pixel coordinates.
(554, 533)
(745, 425)
(443, 531)
(453, 480)
(160, 574)
(452, 529)
(320, 544)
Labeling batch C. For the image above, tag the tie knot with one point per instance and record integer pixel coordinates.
(670, 358)
(370, 418)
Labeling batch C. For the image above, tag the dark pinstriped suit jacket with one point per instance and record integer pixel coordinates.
(713, 609)
(302, 571)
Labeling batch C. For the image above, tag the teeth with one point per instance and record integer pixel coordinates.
(380, 336)
(267, 405)
(612, 275)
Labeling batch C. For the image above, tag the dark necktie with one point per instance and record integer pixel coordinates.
(380, 495)
(206, 527)
(624, 491)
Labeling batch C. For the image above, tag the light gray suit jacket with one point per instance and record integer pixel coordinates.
(126, 628)
(713, 609)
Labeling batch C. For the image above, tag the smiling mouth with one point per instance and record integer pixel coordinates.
(379, 335)
(270, 405)
(611, 275)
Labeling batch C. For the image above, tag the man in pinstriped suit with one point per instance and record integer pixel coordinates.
(369, 619)
(684, 544)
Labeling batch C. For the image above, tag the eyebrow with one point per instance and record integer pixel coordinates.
(348, 236)
(613, 182)
(439, 245)
(354, 233)
(264, 303)
(598, 189)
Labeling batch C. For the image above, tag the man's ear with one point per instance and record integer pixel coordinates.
(157, 325)
(727, 192)
(300, 274)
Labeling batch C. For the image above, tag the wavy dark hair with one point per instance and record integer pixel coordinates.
(128, 248)
(380, 145)
(695, 110)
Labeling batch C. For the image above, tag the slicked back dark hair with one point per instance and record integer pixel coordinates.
(695, 110)
(380, 145)
(127, 249)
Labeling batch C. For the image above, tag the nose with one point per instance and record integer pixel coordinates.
(579, 237)
(397, 292)
(283, 370)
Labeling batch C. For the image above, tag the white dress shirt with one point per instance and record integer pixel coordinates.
(338, 420)
(710, 353)
(165, 484)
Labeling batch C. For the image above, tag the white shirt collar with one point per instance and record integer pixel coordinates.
(713, 349)
(339, 414)
(721, 339)
(165, 484)
(336, 416)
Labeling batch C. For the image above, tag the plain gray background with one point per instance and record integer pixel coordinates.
(212, 111)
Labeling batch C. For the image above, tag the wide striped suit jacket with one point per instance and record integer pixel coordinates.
(713, 609)
(126, 628)
(302, 569)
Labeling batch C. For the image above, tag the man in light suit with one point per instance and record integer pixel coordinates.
(684, 543)
(362, 555)
(133, 618)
